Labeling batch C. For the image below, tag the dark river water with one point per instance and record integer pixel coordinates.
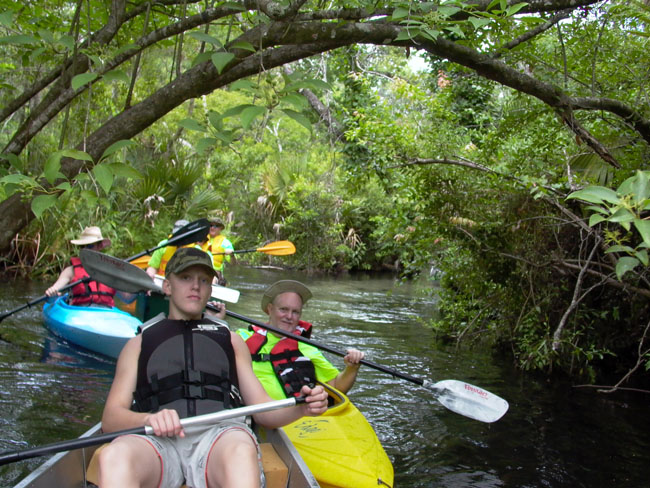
(552, 436)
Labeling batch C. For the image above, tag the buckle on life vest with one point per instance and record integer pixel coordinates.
(193, 391)
(192, 376)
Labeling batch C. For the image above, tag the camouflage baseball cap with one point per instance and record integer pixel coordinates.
(185, 257)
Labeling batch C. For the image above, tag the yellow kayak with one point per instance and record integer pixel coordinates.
(340, 447)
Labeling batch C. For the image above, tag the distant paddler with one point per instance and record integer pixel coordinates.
(162, 255)
(282, 364)
(220, 247)
(88, 293)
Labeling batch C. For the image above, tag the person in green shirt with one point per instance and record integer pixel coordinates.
(283, 365)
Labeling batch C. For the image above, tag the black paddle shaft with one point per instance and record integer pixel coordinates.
(323, 347)
(66, 445)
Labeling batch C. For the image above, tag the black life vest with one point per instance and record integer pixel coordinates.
(91, 291)
(188, 366)
(292, 369)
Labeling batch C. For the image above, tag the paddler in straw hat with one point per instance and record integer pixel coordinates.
(90, 293)
(283, 365)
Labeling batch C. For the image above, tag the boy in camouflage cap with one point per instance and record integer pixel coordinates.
(182, 366)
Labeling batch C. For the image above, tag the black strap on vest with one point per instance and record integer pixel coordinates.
(189, 385)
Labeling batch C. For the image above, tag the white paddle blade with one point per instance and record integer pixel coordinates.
(469, 400)
(116, 273)
(218, 292)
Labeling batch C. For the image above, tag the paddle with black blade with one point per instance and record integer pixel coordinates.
(190, 233)
(277, 248)
(460, 397)
(13, 456)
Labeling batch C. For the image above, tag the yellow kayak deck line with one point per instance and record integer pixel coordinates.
(340, 447)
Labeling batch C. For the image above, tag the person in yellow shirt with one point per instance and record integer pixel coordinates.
(220, 247)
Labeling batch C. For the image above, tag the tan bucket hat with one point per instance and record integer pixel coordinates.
(91, 235)
(284, 286)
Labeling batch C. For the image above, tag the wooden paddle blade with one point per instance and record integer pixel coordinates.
(278, 248)
(116, 273)
(469, 400)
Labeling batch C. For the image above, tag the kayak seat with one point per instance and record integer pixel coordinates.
(275, 471)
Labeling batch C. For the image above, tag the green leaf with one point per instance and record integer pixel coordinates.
(191, 124)
(67, 42)
(116, 146)
(241, 85)
(296, 100)
(643, 257)
(399, 13)
(431, 34)
(640, 187)
(117, 75)
(312, 84)
(122, 170)
(202, 58)
(594, 208)
(234, 111)
(619, 248)
(76, 154)
(625, 264)
(478, 22)
(52, 167)
(596, 219)
(64, 185)
(18, 39)
(216, 120)
(204, 144)
(246, 46)
(595, 194)
(224, 136)
(407, 34)
(232, 6)
(82, 79)
(447, 11)
(643, 226)
(89, 197)
(14, 161)
(249, 114)
(104, 177)
(126, 48)
(300, 118)
(513, 9)
(203, 37)
(41, 203)
(220, 60)
(18, 179)
(7, 18)
(46, 35)
(455, 29)
(622, 215)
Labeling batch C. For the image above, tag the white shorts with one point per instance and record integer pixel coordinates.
(184, 459)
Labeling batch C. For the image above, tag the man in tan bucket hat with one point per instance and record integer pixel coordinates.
(91, 293)
(283, 365)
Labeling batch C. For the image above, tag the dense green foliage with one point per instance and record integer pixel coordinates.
(461, 169)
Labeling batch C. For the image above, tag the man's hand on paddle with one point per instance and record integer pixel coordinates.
(316, 400)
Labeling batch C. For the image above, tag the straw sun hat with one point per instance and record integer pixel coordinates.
(284, 286)
(91, 235)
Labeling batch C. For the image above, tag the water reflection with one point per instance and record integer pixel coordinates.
(552, 436)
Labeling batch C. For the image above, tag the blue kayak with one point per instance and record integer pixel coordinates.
(98, 329)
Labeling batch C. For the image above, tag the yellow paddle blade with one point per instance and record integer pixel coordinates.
(278, 248)
(142, 261)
